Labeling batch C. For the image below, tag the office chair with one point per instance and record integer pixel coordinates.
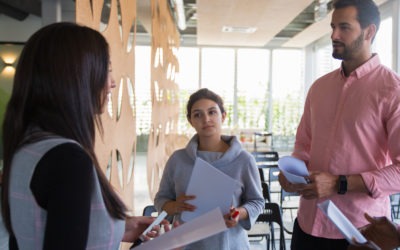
(265, 223)
(273, 182)
(289, 201)
(265, 140)
(260, 229)
(150, 210)
(395, 205)
(267, 160)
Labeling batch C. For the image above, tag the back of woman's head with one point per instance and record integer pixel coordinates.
(59, 82)
(60, 88)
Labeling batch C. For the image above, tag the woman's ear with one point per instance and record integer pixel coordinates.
(223, 116)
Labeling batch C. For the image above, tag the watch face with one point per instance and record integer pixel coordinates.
(342, 184)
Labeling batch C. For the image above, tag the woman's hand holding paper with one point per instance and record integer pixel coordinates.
(180, 205)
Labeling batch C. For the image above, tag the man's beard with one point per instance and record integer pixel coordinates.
(349, 51)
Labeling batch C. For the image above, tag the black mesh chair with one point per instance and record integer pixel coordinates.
(261, 229)
(289, 203)
(265, 223)
(150, 210)
(273, 182)
(395, 205)
(267, 161)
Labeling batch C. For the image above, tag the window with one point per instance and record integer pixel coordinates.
(254, 97)
(217, 74)
(253, 88)
(382, 43)
(142, 89)
(287, 93)
(188, 81)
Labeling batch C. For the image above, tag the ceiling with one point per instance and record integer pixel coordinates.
(244, 23)
(274, 23)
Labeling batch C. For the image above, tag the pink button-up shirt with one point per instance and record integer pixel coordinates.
(351, 125)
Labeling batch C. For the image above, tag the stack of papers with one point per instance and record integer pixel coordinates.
(342, 223)
(204, 226)
(293, 169)
(212, 189)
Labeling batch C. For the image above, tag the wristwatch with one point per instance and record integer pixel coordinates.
(342, 184)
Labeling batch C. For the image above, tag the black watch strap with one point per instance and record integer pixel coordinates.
(342, 184)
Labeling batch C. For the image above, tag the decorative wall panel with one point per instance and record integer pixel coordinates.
(163, 138)
(116, 149)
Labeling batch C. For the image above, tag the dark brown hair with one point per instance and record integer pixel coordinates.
(204, 93)
(367, 11)
(59, 87)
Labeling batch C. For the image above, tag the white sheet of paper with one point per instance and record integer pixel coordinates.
(212, 189)
(203, 226)
(342, 223)
(294, 169)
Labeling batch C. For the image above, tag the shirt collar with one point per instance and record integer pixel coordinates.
(365, 68)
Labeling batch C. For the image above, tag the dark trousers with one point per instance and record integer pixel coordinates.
(303, 241)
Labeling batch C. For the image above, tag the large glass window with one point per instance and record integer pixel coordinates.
(287, 93)
(188, 81)
(382, 44)
(217, 74)
(142, 89)
(252, 88)
(254, 97)
(325, 62)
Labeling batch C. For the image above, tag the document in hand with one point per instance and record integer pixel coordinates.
(203, 226)
(340, 220)
(293, 169)
(212, 189)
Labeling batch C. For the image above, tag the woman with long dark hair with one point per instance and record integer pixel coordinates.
(54, 195)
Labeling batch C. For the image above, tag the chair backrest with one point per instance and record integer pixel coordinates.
(273, 174)
(272, 213)
(266, 192)
(266, 159)
(395, 205)
(285, 194)
(150, 210)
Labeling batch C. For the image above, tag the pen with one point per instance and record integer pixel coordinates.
(157, 221)
(234, 215)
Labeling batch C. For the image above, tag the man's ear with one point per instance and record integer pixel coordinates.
(370, 32)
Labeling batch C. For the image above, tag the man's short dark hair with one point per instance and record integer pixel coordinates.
(367, 11)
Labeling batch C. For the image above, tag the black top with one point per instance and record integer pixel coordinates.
(62, 184)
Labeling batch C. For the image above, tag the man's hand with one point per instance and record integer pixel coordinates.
(382, 232)
(322, 184)
(369, 245)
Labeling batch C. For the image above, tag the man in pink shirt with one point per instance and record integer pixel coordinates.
(349, 133)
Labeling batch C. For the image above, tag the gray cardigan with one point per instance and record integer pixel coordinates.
(236, 163)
